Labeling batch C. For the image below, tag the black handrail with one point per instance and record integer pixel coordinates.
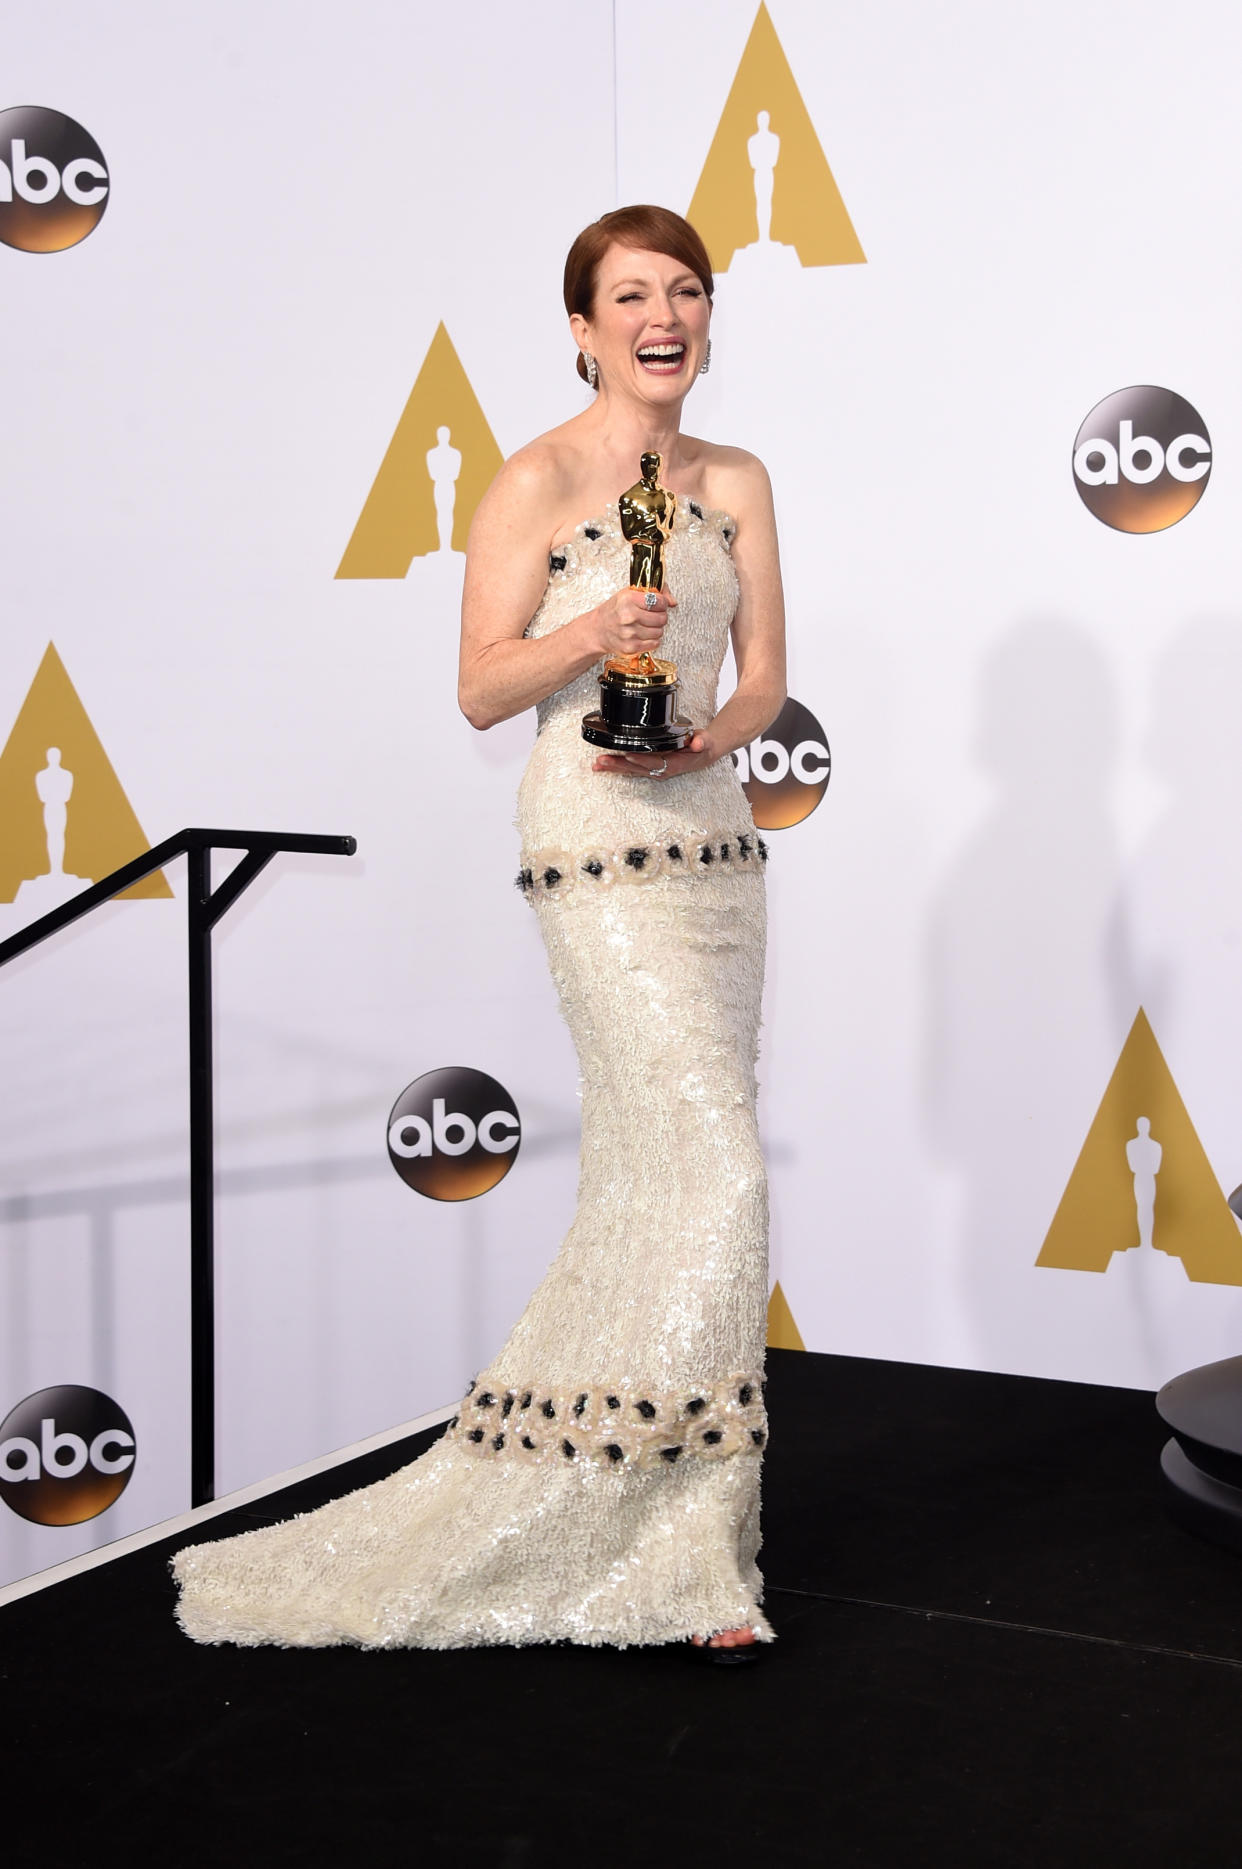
(205, 907)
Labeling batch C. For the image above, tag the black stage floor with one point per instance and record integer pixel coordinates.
(994, 1650)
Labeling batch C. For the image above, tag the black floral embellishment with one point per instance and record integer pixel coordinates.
(557, 874)
(695, 508)
(473, 1386)
(591, 532)
(708, 1421)
(557, 561)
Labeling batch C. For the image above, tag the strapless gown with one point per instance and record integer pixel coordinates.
(600, 1483)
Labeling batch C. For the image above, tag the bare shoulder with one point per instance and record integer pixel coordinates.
(737, 482)
(529, 488)
(533, 473)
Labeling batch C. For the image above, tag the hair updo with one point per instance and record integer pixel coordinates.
(642, 229)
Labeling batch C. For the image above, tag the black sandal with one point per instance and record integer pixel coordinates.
(734, 1655)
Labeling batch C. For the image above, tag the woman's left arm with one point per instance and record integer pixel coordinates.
(758, 633)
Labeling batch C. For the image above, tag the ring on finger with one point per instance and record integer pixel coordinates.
(657, 772)
(651, 600)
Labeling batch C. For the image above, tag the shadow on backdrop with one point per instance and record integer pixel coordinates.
(1027, 990)
(1180, 912)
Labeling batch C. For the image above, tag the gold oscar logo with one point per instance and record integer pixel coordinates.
(1143, 1182)
(440, 462)
(783, 1333)
(64, 820)
(766, 185)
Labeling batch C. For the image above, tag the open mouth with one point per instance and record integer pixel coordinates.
(662, 359)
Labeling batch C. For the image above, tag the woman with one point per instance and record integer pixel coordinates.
(601, 1483)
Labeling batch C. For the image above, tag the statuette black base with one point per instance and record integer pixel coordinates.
(672, 737)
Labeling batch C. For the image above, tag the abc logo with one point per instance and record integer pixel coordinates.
(53, 182)
(785, 772)
(66, 1455)
(1142, 459)
(453, 1133)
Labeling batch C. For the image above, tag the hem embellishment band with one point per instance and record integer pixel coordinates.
(610, 1426)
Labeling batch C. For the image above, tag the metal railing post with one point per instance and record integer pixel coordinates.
(205, 907)
(202, 1185)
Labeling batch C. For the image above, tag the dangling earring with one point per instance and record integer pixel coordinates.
(592, 370)
(706, 364)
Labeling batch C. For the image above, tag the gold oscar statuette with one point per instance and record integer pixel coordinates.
(638, 693)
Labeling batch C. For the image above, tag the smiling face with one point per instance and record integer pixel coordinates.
(648, 326)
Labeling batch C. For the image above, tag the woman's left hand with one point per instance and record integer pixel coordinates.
(659, 766)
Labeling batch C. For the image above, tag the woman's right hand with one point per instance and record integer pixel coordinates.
(627, 625)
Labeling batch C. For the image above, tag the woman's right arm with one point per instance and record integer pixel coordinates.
(501, 673)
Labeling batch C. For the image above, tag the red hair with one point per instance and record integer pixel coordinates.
(643, 229)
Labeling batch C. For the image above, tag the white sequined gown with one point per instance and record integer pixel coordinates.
(601, 1483)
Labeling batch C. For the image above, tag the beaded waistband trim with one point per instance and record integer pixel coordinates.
(611, 1426)
(703, 853)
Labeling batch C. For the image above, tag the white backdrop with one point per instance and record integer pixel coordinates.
(1029, 830)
